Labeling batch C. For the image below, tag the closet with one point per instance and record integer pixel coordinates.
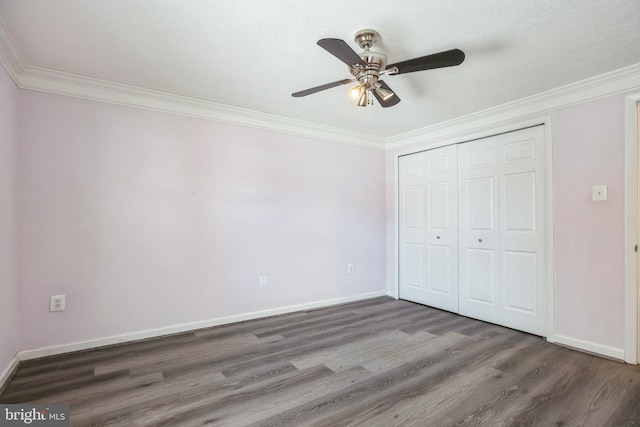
(472, 229)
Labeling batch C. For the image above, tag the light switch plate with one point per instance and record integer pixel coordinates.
(263, 281)
(599, 193)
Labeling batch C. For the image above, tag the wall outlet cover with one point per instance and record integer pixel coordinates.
(57, 303)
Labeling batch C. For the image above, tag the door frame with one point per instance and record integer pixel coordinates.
(631, 229)
(487, 132)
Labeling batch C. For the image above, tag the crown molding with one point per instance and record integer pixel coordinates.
(61, 83)
(56, 82)
(606, 84)
(46, 80)
(10, 56)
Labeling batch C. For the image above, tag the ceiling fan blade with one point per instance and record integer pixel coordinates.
(447, 58)
(341, 50)
(321, 88)
(390, 102)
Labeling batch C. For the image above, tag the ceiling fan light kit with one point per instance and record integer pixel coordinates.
(367, 67)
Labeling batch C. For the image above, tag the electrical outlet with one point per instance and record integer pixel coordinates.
(262, 281)
(57, 302)
(349, 268)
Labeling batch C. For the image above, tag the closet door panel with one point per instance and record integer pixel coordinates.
(523, 299)
(428, 228)
(414, 267)
(481, 279)
(520, 277)
(478, 230)
(442, 232)
(439, 260)
(412, 245)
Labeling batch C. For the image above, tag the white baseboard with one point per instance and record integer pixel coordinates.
(589, 347)
(391, 294)
(186, 327)
(8, 372)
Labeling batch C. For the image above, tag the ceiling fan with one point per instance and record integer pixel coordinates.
(367, 67)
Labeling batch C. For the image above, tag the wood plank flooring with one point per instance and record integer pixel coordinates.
(379, 362)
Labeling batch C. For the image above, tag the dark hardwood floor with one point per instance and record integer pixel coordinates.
(379, 362)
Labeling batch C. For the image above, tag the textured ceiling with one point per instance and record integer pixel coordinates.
(253, 54)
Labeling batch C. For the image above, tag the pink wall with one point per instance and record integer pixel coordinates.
(588, 241)
(588, 149)
(146, 220)
(9, 326)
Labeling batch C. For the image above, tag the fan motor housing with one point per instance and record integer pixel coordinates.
(368, 75)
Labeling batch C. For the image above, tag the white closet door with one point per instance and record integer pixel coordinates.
(412, 235)
(428, 228)
(502, 230)
(479, 230)
(523, 300)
